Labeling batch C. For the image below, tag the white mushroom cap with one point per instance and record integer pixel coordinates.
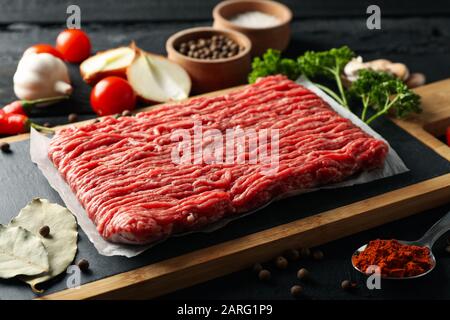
(398, 70)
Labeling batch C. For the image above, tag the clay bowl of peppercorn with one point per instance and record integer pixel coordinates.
(265, 23)
(215, 59)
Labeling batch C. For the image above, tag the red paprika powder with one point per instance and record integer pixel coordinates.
(394, 259)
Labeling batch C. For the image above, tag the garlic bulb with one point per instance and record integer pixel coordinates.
(41, 76)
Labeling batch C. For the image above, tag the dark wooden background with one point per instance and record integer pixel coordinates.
(414, 32)
(193, 10)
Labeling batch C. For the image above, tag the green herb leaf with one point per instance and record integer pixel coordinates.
(327, 64)
(61, 243)
(384, 93)
(21, 253)
(272, 63)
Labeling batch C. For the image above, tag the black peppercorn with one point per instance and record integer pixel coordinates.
(216, 47)
(264, 275)
(281, 262)
(257, 267)
(44, 231)
(303, 274)
(126, 113)
(296, 291)
(5, 147)
(292, 254)
(346, 284)
(305, 252)
(318, 255)
(73, 117)
(83, 264)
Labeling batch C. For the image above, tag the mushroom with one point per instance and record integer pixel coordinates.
(398, 70)
(352, 67)
(416, 80)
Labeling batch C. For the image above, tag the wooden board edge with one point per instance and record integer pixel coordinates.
(205, 264)
(435, 111)
(151, 281)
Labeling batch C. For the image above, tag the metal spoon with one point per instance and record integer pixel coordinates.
(427, 240)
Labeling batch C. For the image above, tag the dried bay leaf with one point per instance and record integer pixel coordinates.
(61, 244)
(21, 253)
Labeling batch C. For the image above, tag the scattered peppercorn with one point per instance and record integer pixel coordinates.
(292, 254)
(317, 255)
(281, 262)
(83, 264)
(73, 117)
(296, 291)
(126, 113)
(257, 267)
(346, 284)
(5, 147)
(264, 275)
(303, 274)
(305, 252)
(216, 47)
(44, 231)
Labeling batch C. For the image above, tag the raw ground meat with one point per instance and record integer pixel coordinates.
(122, 171)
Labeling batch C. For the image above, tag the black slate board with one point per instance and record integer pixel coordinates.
(21, 181)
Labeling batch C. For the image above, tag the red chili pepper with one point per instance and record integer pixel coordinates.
(16, 107)
(17, 123)
(448, 136)
(24, 106)
(14, 124)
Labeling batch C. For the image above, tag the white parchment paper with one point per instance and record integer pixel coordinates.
(39, 154)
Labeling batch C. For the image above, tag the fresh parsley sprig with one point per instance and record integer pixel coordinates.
(377, 90)
(272, 63)
(384, 93)
(328, 64)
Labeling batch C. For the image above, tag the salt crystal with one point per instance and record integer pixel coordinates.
(255, 19)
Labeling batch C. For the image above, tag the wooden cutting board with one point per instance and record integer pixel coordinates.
(229, 256)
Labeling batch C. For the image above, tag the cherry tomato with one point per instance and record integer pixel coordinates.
(112, 95)
(448, 136)
(74, 45)
(44, 48)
